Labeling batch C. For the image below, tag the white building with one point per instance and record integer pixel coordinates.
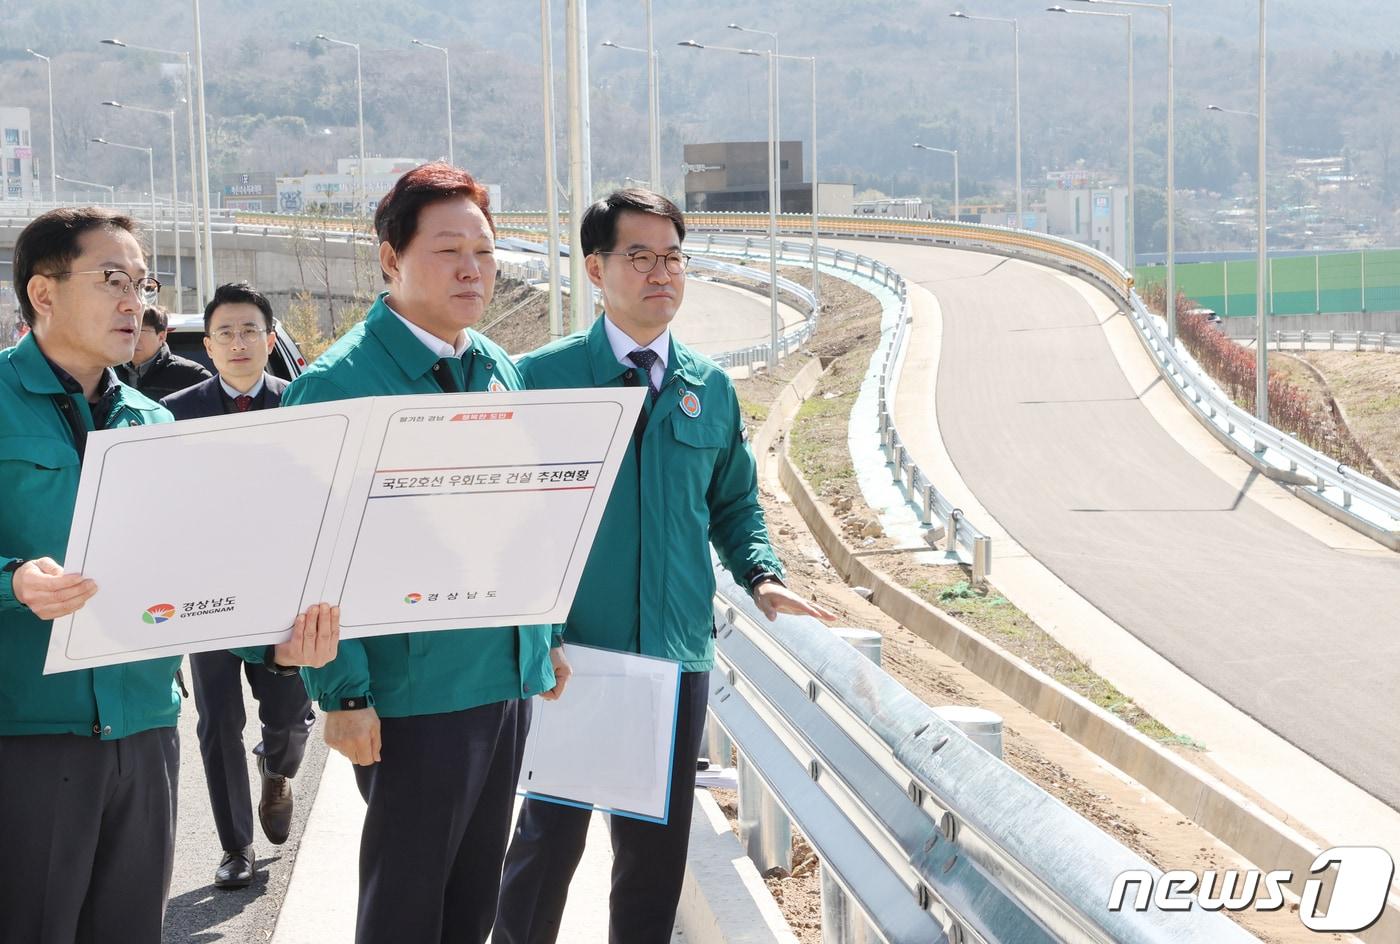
(335, 194)
(1095, 216)
(18, 172)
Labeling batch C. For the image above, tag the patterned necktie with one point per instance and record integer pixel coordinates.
(243, 404)
(645, 358)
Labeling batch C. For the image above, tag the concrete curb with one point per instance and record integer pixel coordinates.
(1211, 804)
(724, 899)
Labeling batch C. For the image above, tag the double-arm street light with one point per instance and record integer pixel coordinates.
(1165, 8)
(1130, 237)
(447, 70)
(775, 88)
(53, 149)
(957, 203)
(774, 325)
(111, 191)
(653, 108)
(1016, 61)
(151, 164)
(360, 105)
(199, 175)
(174, 193)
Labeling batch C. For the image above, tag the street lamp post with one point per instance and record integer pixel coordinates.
(1165, 8)
(447, 70)
(151, 166)
(195, 174)
(774, 325)
(774, 84)
(551, 182)
(1016, 37)
(653, 107)
(174, 194)
(53, 149)
(360, 105)
(208, 237)
(111, 191)
(957, 203)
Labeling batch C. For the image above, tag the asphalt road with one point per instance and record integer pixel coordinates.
(1047, 432)
(199, 912)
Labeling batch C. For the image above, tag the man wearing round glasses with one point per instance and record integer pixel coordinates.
(688, 482)
(238, 334)
(89, 759)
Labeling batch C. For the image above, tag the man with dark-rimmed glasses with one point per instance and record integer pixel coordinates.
(239, 334)
(89, 759)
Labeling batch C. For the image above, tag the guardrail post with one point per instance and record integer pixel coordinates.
(842, 922)
(764, 829)
(865, 641)
(901, 456)
(954, 519)
(981, 560)
(1383, 342)
(927, 516)
(910, 480)
(982, 727)
(718, 748)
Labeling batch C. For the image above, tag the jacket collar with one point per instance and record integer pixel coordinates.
(40, 375)
(411, 354)
(607, 368)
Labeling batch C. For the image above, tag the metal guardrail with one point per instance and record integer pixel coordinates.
(936, 510)
(932, 838)
(1336, 340)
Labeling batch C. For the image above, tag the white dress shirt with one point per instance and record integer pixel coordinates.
(622, 346)
(434, 343)
(235, 394)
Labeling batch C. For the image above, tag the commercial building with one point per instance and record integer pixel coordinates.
(733, 176)
(18, 171)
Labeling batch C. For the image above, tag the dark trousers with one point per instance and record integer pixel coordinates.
(87, 836)
(648, 858)
(437, 824)
(286, 716)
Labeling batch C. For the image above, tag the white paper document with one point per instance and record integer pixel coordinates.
(443, 511)
(607, 742)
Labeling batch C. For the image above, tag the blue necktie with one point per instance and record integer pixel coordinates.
(645, 358)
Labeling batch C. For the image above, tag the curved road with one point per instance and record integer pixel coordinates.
(1043, 426)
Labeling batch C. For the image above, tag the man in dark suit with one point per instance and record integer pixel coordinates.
(238, 334)
(153, 369)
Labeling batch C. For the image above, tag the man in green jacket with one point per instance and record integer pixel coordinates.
(450, 708)
(648, 585)
(89, 760)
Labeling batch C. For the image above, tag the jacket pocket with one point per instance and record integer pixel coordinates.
(39, 451)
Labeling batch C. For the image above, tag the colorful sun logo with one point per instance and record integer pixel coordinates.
(690, 403)
(413, 598)
(158, 613)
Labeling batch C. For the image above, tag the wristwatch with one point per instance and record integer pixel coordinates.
(7, 575)
(270, 663)
(760, 575)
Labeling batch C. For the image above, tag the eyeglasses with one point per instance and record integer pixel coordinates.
(118, 283)
(248, 335)
(644, 260)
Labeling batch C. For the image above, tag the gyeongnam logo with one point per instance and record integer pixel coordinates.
(413, 598)
(159, 613)
(1359, 889)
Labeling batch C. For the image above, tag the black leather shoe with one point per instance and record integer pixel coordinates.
(236, 869)
(275, 807)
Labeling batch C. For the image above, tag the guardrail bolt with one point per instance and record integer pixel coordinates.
(948, 825)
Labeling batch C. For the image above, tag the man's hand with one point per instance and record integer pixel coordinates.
(49, 593)
(355, 734)
(315, 638)
(561, 674)
(773, 598)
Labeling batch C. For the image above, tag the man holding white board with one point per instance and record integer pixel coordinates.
(89, 759)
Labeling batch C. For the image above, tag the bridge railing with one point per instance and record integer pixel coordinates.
(929, 836)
